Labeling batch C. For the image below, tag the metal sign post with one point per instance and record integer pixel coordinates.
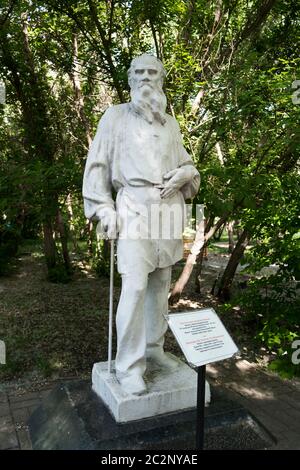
(200, 407)
(203, 339)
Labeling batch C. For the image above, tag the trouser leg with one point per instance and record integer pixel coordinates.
(130, 323)
(156, 306)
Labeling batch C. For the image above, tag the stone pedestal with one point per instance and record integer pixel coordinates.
(167, 392)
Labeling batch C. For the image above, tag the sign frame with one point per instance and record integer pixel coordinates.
(204, 334)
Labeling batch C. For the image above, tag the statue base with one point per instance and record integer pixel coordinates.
(167, 391)
(73, 417)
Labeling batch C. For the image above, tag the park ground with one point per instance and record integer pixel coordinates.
(55, 332)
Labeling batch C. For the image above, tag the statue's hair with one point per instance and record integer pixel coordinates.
(146, 58)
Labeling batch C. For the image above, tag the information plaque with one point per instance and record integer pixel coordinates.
(201, 336)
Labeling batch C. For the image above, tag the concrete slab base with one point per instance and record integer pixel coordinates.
(72, 416)
(167, 391)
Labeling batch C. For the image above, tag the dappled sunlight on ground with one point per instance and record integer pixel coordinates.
(246, 379)
(186, 304)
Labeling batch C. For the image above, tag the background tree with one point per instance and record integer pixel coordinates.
(230, 68)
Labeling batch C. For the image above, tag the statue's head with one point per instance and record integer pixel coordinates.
(146, 70)
(146, 76)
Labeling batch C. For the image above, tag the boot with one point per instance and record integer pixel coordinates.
(163, 360)
(132, 384)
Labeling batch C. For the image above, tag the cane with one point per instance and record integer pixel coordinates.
(111, 291)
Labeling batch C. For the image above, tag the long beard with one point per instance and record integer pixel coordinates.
(150, 103)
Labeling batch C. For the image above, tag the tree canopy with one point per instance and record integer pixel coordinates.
(233, 71)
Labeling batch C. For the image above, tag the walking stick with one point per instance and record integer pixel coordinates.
(111, 291)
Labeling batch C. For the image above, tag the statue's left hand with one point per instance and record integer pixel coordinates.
(176, 179)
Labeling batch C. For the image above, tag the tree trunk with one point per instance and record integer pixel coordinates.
(89, 228)
(79, 100)
(107, 50)
(218, 234)
(211, 63)
(200, 240)
(228, 275)
(199, 270)
(106, 251)
(64, 241)
(188, 268)
(49, 244)
(197, 101)
(230, 236)
(203, 255)
(71, 221)
(39, 139)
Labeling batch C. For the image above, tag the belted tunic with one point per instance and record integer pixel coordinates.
(130, 156)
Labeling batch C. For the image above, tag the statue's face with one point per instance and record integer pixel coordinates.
(146, 75)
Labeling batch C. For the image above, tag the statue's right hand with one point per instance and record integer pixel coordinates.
(109, 224)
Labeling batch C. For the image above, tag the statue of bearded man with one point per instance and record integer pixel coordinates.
(138, 153)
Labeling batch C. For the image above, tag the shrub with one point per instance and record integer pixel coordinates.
(272, 305)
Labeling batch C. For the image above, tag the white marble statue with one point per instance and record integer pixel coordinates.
(138, 153)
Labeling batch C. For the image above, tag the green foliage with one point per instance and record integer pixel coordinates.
(43, 365)
(9, 242)
(101, 267)
(276, 226)
(59, 274)
(284, 367)
(239, 57)
(101, 261)
(271, 305)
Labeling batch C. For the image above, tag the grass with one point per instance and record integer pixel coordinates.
(51, 328)
(217, 249)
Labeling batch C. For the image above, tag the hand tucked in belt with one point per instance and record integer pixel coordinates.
(176, 179)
